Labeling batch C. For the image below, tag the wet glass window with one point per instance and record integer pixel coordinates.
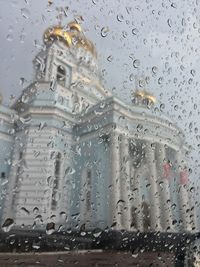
(99, 133)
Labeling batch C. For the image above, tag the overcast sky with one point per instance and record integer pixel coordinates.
(159, 39)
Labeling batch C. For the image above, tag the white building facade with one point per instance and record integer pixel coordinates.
(74, 155)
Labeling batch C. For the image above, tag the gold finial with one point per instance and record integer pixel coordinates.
(72, 35)
(143, 97)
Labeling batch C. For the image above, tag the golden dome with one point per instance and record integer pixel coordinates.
(72, 35)
(144, 95)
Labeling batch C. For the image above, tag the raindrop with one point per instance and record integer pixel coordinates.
(154, 69)
(7, 225)
(63, 215)
(174, 5)
(193, 72)
(192, 189)
(25, 13)
(162, 106)
(160, 80)
(169, 22)
(25, 211)
(135, 31)
(110, 58)
(97, 233)
(131, 77)
(104, 31)
(9, 37)
(148, 185)
(36, 246)
(22, 81)
(173, 206)
(136, 63)
(83, 233)
(176, 107)
(50, 228)
(120, 17)
(35, 210)
(139, 127)
(25, 98)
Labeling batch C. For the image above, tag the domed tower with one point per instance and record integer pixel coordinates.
(67, 83)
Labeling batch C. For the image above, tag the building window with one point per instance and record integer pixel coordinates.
(134, 217)
(146, 216)
(61, 75)
(57, 171)
(3, 175)
(88, 190)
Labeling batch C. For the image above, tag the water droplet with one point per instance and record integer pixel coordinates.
(83, 233)
(136, 63)
(25, 13)
(160, 80)
(22, 81)
(131, 77)
(174, 5)
(193, 72)
(135, 31)
(35, 210)
(25, 98)
(97, 233)
(162, 106)
(110, 58)
(154, 69)
(7, 225)
(120, 17)
(192, 189)
(9, 37)
(25, 211)
(104, 31)
(50, 229)
(176, 107)
(169, 22)
(36, 246)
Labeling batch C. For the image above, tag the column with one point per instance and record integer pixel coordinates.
(183, 196)
(116, 203)
(137, 200)
(154, 197)
(164, 192)
(125, 182)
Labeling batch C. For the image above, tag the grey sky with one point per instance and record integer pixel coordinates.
(163, 36)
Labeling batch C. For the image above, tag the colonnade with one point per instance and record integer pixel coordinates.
(126, 190)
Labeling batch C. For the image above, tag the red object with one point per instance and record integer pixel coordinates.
(167, 170)
(184, 177)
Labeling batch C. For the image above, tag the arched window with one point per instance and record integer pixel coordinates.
(61, 75)
(57, 171)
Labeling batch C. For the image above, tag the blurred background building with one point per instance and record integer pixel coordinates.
(74, 156)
